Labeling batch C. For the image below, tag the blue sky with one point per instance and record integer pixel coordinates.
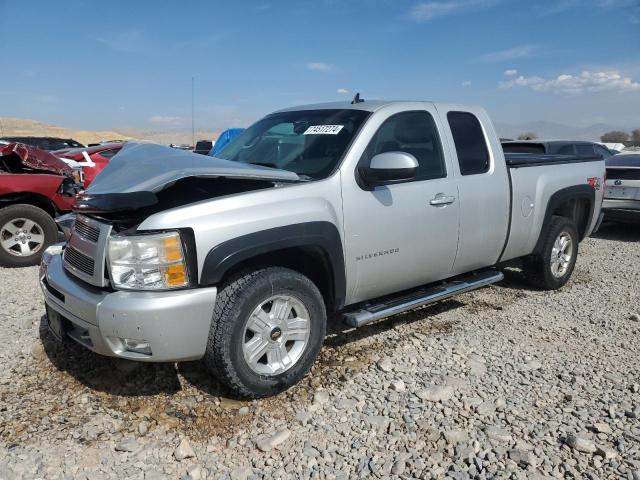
(109, 65)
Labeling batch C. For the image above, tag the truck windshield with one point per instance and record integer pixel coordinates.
(310, 143)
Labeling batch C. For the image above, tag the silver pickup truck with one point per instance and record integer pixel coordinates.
(355, 211)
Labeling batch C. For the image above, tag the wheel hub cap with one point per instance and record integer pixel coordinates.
(276, 335)
(21, 237)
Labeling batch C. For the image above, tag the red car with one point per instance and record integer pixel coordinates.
(96, 158)
(35, 187)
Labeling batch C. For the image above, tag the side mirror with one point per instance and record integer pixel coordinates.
(389, 167)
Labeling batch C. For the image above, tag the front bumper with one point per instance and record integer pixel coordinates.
(175, 323)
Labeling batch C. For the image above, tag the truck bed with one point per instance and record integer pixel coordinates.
(518, 160)
(533, 189)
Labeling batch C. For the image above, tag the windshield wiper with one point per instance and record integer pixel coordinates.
(302, 176)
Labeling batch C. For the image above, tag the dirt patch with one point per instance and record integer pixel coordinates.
(73, 386)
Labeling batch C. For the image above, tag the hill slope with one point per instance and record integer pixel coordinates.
(22, 127)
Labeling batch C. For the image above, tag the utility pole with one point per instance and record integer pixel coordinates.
(193, 125)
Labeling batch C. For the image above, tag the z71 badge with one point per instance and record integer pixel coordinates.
(594, 182)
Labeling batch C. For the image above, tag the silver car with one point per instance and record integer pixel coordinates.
(622, 192)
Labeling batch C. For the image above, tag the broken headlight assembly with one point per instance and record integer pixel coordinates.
(147, 262)
(70, 186)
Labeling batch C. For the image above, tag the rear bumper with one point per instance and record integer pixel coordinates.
(621, 210)
(613, 204)
(175, 324)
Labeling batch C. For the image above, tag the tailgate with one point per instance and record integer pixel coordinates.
(623, 183)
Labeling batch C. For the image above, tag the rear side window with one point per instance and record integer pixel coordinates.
(585, 149)
(45, 144)
(566, 150)
(411, 132)
(473, 154)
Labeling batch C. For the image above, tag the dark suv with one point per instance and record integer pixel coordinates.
(557, 147)
(45, 143)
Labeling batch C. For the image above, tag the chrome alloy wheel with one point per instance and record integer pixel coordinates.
(21, 237)
(276, 335)
(561, 254)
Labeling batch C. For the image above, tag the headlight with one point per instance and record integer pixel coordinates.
(147, 262)
(65, 223)
(47, 256)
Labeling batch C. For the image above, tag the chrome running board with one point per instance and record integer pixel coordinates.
(424, 296)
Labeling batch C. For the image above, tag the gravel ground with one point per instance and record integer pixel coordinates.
(504, 382)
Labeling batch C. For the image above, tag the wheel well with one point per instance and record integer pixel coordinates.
(34, 199)
(578, 210)
(310, 261)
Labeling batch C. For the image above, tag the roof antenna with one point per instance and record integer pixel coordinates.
(357, 99)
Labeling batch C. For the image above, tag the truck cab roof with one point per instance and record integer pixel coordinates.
(371, 105)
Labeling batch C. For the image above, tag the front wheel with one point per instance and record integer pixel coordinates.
(553, 266)
(267, 330)
(25, 232)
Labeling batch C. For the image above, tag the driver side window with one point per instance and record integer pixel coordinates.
(414, 133)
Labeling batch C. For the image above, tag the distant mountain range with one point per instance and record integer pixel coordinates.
(25, 127)
(556, 131)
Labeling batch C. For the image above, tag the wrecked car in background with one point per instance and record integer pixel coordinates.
(45, 143)
(91, 160)
(35, 187)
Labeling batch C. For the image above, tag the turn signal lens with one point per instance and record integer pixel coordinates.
(175, 276)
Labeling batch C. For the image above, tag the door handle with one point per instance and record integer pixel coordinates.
(441, 199)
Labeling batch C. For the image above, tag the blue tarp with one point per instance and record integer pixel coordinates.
(224, 139)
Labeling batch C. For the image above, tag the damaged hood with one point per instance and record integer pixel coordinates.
(141, 167)
(21, 158)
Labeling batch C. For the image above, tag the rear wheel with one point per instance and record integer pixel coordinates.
(25, 232)
(553, 266)
(267, 331)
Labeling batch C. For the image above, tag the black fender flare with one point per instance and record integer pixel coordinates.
(322, 235)
(558, 198)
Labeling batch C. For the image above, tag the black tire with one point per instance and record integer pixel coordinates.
(537, 267)
(235, 302)
(44, 223)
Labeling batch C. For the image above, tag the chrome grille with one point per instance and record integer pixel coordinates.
(79, 260)
(85, 252)
(87, 231)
